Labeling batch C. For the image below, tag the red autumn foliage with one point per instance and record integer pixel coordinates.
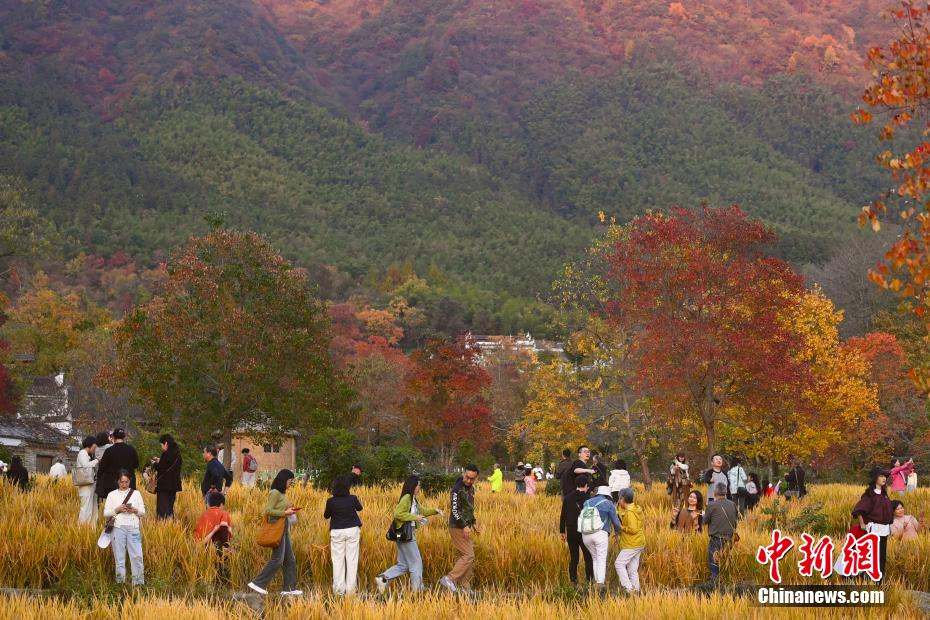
(900, 427)
(446, 402)
(705, 302)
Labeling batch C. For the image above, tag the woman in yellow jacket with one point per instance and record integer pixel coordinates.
(632, 542)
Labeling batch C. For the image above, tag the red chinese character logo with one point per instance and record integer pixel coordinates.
(774, 553)
(819, 556)
(861, 556)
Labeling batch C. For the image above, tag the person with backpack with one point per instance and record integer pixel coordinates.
(737, 479)
(408, 511)
(714, 476)
(568, 529)
(632, 542)
(249, 468)
(598, 517)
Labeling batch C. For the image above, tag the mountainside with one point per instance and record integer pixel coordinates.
(481, 138)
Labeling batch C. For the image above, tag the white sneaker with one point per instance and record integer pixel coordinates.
(257, 589)
(382, 583)
(448, 584)
(292, 593)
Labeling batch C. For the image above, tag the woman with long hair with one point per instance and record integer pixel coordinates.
(87, 464)
(689, 518)
(408, 510)
(875, 513)
(168, 482)
(345, 531)
(279, 507)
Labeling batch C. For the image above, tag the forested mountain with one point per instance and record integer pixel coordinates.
(480, 138)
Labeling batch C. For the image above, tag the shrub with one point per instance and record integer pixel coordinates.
(553, 487)
(385, 465)
(328, 454)
(437, 482)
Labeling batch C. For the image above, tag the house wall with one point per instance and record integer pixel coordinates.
(31, 452)
(268, 462)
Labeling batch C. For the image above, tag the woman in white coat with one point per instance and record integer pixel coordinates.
(84, 475)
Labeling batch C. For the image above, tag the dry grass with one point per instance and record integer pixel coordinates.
(42, 546)
(441, 607)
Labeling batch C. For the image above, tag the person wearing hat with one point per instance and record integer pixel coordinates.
(529, 479)
(597, 542)
(875, 513)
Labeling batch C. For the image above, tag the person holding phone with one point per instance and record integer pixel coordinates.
(126, 535)
(279, 507)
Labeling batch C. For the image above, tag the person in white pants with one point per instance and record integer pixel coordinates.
(632, 542)
(597, 542)
(345, 529)
(249, 469)
(87, 465)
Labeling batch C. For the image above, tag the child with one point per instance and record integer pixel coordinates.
(215, 525)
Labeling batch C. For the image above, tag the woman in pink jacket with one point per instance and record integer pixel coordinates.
(899, 474)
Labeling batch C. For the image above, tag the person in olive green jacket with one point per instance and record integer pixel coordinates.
(632, 541)
(279, 507)
(408, 510)
(496, 479)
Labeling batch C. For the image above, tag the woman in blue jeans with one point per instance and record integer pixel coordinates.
(125, 535)
(279, 507)
(408, 554)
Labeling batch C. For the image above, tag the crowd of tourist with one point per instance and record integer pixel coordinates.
(595, 505)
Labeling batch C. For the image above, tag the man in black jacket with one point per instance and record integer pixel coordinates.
(462, 528)
(119, 456)
(568, 528)
(563, 470)
(215, 475)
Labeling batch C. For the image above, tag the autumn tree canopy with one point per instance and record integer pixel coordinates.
(706, 302)
(236, 340)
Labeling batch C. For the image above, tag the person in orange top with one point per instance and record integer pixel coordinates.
(214, 525)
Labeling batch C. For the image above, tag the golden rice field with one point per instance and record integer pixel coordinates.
(521, 562)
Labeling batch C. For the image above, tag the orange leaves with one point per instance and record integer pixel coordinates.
(677, 9)
(861, 117)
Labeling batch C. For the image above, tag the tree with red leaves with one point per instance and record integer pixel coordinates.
(901, 427)
(446, 402)
(706, 304)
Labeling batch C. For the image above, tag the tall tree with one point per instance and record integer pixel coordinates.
(551, 420)
(446, 403)
(706, 303)
(236, 341)
(605, 352)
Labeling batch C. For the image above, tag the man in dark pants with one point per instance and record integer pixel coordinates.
(568, 528)
(720, 523)
(214, 477)
(563, 470)
(119, 456)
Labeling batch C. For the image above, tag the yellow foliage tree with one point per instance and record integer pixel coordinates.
(550, 419)
(840, 393)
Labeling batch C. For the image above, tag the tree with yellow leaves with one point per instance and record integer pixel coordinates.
(550, 420)
(837, 397)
